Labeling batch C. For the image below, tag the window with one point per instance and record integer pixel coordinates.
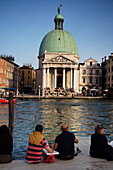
(83, 80)
(109, 78)
(112, 77)
(109, 69)
(84, 71)
(28, 72)
(28, 77)
(90, 79)
(97, 80)
(97, 72)
(90, 72)
(90, 63)
(112, 68)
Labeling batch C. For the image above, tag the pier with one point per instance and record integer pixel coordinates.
(31, 96)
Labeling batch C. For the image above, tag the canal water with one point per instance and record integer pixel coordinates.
(81, 115)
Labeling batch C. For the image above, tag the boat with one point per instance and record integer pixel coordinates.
(4, 100)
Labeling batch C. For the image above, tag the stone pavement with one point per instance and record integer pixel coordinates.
(81, 162)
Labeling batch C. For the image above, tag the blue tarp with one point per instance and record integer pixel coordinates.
(14, 89)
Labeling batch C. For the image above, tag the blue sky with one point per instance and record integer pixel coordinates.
(24, 23)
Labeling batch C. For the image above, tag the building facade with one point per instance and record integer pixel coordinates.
(107, 72)
(2, 73)
(90, 73)
(58, 59)
(9, 73)
(28, 78)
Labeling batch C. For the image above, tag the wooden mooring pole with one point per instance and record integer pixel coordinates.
(11, 113)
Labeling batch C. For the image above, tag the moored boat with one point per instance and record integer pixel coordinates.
(4, 100)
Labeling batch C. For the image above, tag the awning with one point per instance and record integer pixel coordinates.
(92, 89)
(97, 90)
(14, 89)
(106, 90)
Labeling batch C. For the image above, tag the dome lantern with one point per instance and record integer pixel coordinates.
(59, 20)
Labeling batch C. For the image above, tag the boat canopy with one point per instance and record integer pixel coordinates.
(14, 89)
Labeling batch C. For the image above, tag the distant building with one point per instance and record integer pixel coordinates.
(107, 72)
(28, 78)
(9, 73)
(90, 77)
(2, 73)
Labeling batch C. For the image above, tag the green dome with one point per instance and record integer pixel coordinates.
(58, 40)
(59, 16)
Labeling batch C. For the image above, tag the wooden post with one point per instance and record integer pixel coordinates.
(11, 113)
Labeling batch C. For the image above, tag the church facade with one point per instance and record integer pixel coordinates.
(58, 59)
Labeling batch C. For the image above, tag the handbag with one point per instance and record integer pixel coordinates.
(49, 159)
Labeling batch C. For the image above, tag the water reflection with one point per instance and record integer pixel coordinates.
(81, 115)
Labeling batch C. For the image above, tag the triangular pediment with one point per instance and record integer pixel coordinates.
(60, 59)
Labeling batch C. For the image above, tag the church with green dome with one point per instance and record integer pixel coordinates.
(58, 59)
(59, 68)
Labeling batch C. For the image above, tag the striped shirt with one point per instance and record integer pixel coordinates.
(35, 152)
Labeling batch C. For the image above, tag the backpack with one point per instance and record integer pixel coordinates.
(109, 153)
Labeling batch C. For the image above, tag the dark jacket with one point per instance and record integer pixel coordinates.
(6, 144)
(65, 143)
(98, 145)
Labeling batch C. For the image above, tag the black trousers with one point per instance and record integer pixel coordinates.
(61, 157)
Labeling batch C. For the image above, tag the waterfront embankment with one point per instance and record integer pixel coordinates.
(81, 162)
(31, 96)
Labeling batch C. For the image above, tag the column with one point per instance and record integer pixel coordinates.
(55, 78)
(47, 77)
(64, 78)
(75, 79)
(44, 77)
(71, 78)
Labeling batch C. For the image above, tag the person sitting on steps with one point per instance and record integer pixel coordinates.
(6, 145)
(99, 145)
(64, 143)
(35, 148)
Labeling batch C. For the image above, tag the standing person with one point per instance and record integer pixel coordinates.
(99, 145)
(6, 145)
(35, 148)
(64, 143)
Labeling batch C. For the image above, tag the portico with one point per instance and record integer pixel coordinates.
(60, 72)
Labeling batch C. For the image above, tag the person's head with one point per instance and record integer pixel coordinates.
(4, 131)
(99, 129)
(39, 128)
(4, 128)
(64, 127)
